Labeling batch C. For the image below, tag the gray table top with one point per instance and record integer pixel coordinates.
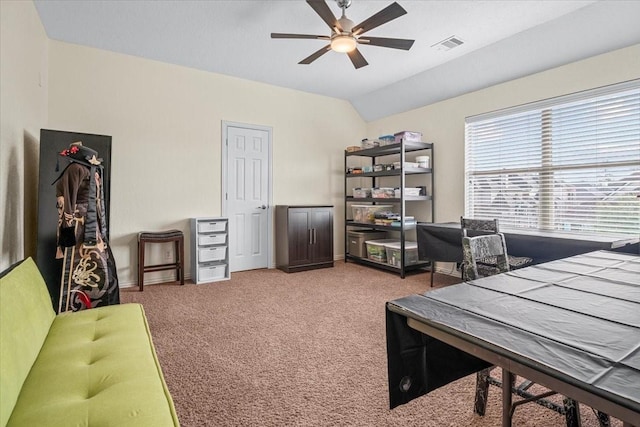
(577, 319)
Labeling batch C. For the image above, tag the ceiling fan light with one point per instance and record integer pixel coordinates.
(343, 44)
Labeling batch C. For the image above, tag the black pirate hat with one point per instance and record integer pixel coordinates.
(78, 153)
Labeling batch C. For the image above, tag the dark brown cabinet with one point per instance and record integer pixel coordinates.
(304, 237)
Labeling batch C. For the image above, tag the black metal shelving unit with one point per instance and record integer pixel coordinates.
(398, 149)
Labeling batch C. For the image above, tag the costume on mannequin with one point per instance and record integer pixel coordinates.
(89, 276)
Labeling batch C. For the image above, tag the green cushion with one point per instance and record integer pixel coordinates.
(25, 317)
(97, 367)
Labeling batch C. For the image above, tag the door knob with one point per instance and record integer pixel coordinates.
(262, 207)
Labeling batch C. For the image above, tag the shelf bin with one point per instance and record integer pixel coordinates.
(377, 250)
(213, 253)
(357, 239)
(212, 226)
(211, 273)
(394, 251)
(212, 239)
(366, 213)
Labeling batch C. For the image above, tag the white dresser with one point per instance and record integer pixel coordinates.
(209, 249)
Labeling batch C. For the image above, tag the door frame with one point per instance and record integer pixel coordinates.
(225, 182)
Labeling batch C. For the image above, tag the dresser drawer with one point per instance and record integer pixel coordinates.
(212, 226)
(211, 273)
(212, 239)
(216, 253)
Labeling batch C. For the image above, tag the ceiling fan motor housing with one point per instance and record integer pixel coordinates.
(346, 24)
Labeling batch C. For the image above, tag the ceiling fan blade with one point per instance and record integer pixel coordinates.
(298, 36)
(357, 59)
(403, 44)
(309, 59)
(387, 14)
(322, 9)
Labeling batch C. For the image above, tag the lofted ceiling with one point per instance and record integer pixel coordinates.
(503, 40)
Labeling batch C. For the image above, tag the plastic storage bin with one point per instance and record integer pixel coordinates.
(382, 193)
(386, 140)
(212, 226)
(212, 253)
(367, 143)
(361, 193)
(408, 136)
(366, 213)
(408, 192)
(423, 161)
(357, 238)
(397, 165)
(210, 273)
(410, 253)
(377, 250)
(212, 239)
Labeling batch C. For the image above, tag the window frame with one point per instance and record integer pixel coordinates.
(546, 168)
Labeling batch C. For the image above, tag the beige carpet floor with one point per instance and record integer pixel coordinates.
(268, 348)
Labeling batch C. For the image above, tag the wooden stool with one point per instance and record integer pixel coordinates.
(175, 236)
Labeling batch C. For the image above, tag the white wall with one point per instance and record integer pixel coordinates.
(165, 121)
(23, 111)
(166, 125)
(443, 122)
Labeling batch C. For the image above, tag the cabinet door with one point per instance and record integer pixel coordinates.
(322, 234)
(299, 236)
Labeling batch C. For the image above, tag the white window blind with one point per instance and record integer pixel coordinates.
(569, 164)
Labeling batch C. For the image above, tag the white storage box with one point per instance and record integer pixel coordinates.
(366, 213)
(212, 272)
(215, 253)
(408, 192)
(377, 250)
(397, 165)
(423, 161)
(410, 253)
(212, 239)
(211, 226)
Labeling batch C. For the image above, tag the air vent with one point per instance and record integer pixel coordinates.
(448, 43)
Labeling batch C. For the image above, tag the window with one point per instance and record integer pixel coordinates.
(568, 164)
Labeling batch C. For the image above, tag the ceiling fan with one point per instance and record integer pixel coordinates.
(345, 35)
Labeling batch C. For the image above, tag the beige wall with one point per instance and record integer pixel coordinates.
(165, 121)
(443, 122)
(23, 111)
(166, 126)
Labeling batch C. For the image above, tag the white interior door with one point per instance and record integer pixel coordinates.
(247, 200)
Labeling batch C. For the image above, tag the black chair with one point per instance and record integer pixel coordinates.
(487, 266)
(492, 246)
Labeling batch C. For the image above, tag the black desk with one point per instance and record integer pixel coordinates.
(443, 242)
(572, 325)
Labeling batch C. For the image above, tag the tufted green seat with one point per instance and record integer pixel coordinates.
(95, 367)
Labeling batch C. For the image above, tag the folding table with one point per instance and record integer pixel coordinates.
(572, 325)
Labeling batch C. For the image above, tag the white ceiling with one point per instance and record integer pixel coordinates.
(503, 40)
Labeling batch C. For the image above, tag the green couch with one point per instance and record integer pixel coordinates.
(94, 367)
